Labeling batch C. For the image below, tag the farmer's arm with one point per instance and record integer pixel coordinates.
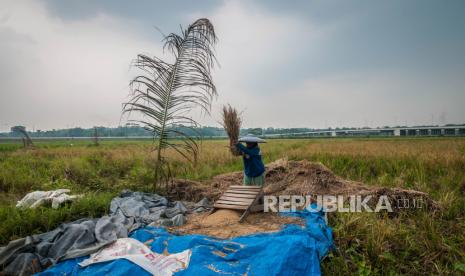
(244, 149)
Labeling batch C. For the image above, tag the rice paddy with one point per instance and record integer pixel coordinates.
(367, 243)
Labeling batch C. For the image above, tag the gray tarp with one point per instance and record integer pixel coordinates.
(128, 212)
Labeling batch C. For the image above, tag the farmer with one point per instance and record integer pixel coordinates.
(252, 157)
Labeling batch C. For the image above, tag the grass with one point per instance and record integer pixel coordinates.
(17, 223)
(367, 243)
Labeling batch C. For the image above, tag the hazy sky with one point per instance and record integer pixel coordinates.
(283, 63)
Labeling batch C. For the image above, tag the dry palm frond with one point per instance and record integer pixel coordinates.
(232, 124)
(27, 142)
(165, 93)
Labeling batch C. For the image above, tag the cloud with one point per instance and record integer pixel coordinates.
(75, 72)
(69, 65)
(258, 51)
(365, 99)
(59, 73)
(287, 71)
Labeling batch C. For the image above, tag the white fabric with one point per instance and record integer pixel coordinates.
(38, 198)
(138, 253)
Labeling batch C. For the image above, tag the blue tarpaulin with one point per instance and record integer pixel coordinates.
(295, 250)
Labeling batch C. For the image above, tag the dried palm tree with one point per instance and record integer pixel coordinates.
(95, 138)
(164, 94)
(27, 142)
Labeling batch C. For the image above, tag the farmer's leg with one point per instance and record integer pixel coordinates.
(259, 180)
(247, 180)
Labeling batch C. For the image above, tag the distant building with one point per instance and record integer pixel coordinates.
(450, 130)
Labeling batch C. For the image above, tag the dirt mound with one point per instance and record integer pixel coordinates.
(304, 178)
(225, 224)
(292, 178)
(283, 177)
(307, 178)
(188, 190)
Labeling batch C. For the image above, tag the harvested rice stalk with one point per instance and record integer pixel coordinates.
(232, 124)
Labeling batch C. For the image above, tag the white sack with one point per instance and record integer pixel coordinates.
(38, 198)
(138, 253)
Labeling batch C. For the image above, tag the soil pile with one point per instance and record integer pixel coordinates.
(283, 177)
(308, 178)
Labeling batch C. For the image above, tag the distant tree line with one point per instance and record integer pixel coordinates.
(137, 131)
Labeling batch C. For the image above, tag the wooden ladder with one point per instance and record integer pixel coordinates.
(238, 197)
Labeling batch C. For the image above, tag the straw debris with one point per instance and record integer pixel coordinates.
(232, 124)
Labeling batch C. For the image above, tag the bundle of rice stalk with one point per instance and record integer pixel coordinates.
(232, 124)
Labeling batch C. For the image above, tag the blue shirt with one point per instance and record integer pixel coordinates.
(253, 165)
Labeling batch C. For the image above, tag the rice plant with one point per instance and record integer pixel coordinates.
(232, 124)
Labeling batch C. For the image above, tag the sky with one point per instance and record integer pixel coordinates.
(306, 63)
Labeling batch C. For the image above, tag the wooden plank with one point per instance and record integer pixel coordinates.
(233, 202)
(251, 206)
(238, 199)
(243, 192)
(233, 198)
(245, 187)
(239, 195)
(241, 198)
(235, 207)
(257, 208)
